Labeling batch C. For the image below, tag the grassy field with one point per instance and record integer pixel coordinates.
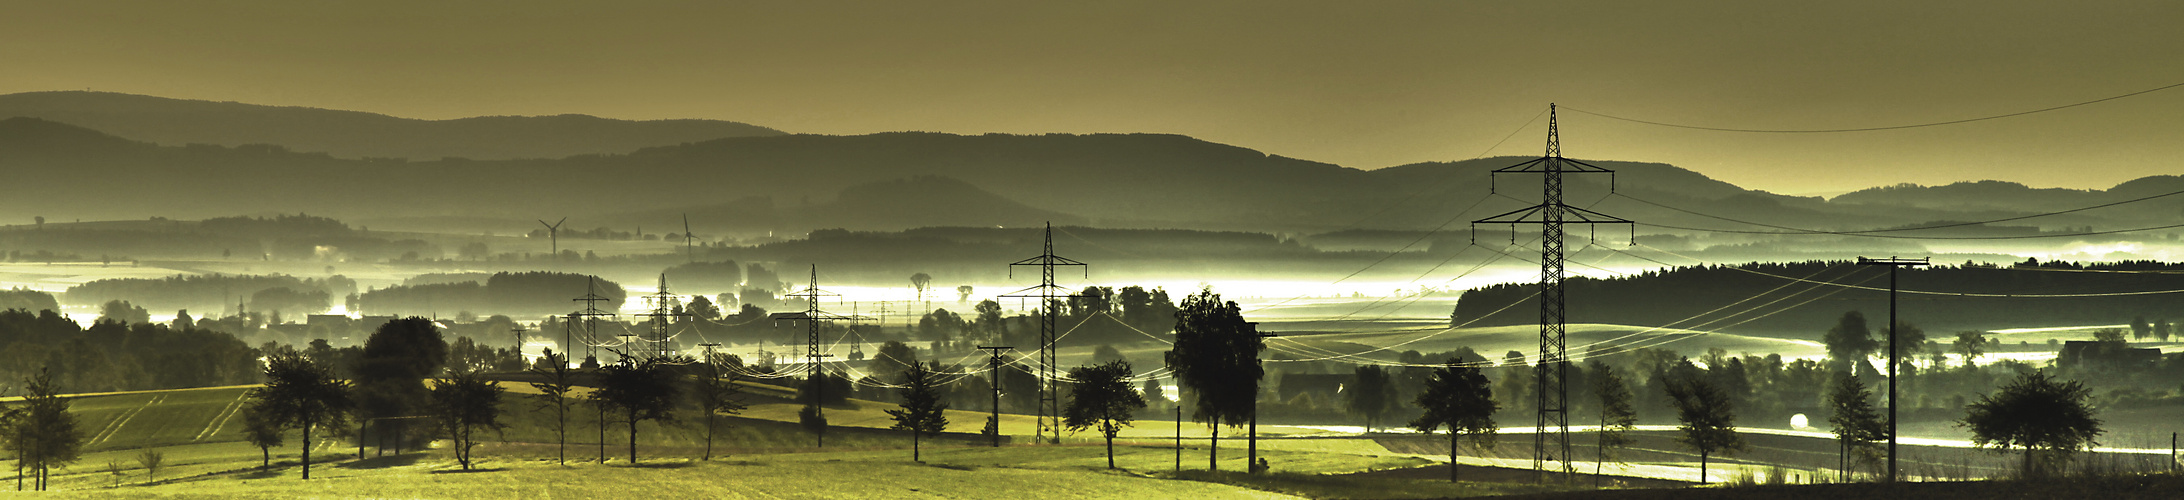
(764, 454)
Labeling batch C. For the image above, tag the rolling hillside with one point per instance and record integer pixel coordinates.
(353, 134)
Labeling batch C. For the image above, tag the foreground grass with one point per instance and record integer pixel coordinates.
(817, 475)
(1320, 486)
(2127, 487)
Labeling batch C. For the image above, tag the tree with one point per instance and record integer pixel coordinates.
(921, 282)
(304, 395)
(465, 403)
(2161, 329)
(639, 390)
(989, 314)
(1972, 345)
(1857, 424)
(922, 412)
(1850, 341)
(1459, 397)
(1216, 355)
(2140, 329)
(151, 459)
(717, 392)
(558, 381)
(812, 421)
(1101, 397)
(390, 376)
(122, 311)
(1617, 415)
(702, 308)
(2110, 335)
(1708, 423)
(963, 294)
(261, 431)
(893, 358)
(43, 433)
(1369, 394)
(2034, 412)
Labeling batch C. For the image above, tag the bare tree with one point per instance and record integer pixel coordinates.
(717, 392)
(151, 459)
(559, 381)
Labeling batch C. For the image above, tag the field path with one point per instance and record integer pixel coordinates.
(220, 421)
(123, 420)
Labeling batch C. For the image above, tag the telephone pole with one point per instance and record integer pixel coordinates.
(1251, 457)
(995, 367)
(1550, 214)
(1893, 264)
(1050, 407)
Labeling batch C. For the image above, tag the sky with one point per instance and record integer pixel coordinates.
(1363, 84)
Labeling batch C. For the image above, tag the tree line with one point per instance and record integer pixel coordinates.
(1660, 297)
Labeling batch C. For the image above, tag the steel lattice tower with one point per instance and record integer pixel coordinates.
(659, 343)
(591, 315)
(812, 316)
(1050, 406)
(1550, 214)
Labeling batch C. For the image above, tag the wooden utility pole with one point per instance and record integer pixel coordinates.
(1892, 263)
(995, 366)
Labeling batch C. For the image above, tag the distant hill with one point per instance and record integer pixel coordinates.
(892, 205)
(797, 183)
(353, 134)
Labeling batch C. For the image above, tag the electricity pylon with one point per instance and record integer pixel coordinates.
(660, 343)
(811, 316)
(591, 315)
(1050, 406)
(1550, 214)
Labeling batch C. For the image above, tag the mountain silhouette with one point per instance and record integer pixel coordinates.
(354, 134)
(800, 182)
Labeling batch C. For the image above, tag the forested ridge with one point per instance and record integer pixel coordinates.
(1940, 298)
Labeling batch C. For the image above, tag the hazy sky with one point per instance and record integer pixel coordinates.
(1359, 83)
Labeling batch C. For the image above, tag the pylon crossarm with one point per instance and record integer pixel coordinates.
(1520, 214)
(1047, 260)
(1521, 168)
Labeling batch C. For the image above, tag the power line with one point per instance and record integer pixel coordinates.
(1890, 127)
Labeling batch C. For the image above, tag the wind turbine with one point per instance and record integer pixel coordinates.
(686, 237)
(553, 232)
